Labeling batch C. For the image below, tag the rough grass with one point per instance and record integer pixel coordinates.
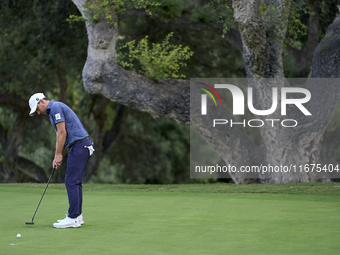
(175, 219)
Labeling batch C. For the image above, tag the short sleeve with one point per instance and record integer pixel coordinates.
(57, 113)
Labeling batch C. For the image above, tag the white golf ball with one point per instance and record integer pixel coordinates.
(18, 235)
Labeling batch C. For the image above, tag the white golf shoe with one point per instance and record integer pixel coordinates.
(80, 219)
(62, 219)
(67, 223)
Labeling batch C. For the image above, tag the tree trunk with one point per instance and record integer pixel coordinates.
(62, 85)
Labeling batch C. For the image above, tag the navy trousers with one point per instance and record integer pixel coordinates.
(76, 162)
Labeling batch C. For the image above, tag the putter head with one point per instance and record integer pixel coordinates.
(29, 223)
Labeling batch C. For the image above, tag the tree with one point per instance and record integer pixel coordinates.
(31, 34)
(41, 51)
(263, 44)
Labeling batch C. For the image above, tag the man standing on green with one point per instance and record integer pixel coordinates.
(72, 134)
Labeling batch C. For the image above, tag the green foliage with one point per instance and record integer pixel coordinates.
(223, 10)
(296, 28)
(273, 16)
(167, 11)
(103, 9)
(107, 173)
(7, 119)
(329, 11)
(325, 43)
(162, 60)
(108, 9)
(291, 68)
(35, 40)
(193, 26)
(148, 151)
(75, 18)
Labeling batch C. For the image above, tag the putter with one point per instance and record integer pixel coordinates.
(31, 223)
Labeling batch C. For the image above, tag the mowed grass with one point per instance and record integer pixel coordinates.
(175, 219)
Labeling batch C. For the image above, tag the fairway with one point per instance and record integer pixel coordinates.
(175, 219)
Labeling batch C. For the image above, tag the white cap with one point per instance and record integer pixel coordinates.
(33, 102)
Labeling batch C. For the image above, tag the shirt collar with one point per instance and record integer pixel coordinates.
(48, 109)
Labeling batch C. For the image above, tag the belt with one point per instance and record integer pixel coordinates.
(79, 141)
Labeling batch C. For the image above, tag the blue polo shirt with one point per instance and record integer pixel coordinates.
(60, 112)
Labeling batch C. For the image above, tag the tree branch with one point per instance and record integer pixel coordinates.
(31, 170)
(112, 135)
(253, 34)
(313, 35)
(326, 58)
(14, 101)
(105, 140)
(3, 137)
(167, 99)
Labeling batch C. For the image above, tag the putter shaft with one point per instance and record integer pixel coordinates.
(48, 182)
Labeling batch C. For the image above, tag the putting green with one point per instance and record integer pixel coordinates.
(174, 219)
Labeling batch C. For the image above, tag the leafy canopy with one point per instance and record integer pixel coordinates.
(162, 60)
(108, 9)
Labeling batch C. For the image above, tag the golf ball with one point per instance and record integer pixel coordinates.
(18, 235)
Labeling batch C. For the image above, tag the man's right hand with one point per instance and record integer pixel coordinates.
(58, 159)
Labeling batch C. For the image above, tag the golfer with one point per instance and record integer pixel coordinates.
(70, 133)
